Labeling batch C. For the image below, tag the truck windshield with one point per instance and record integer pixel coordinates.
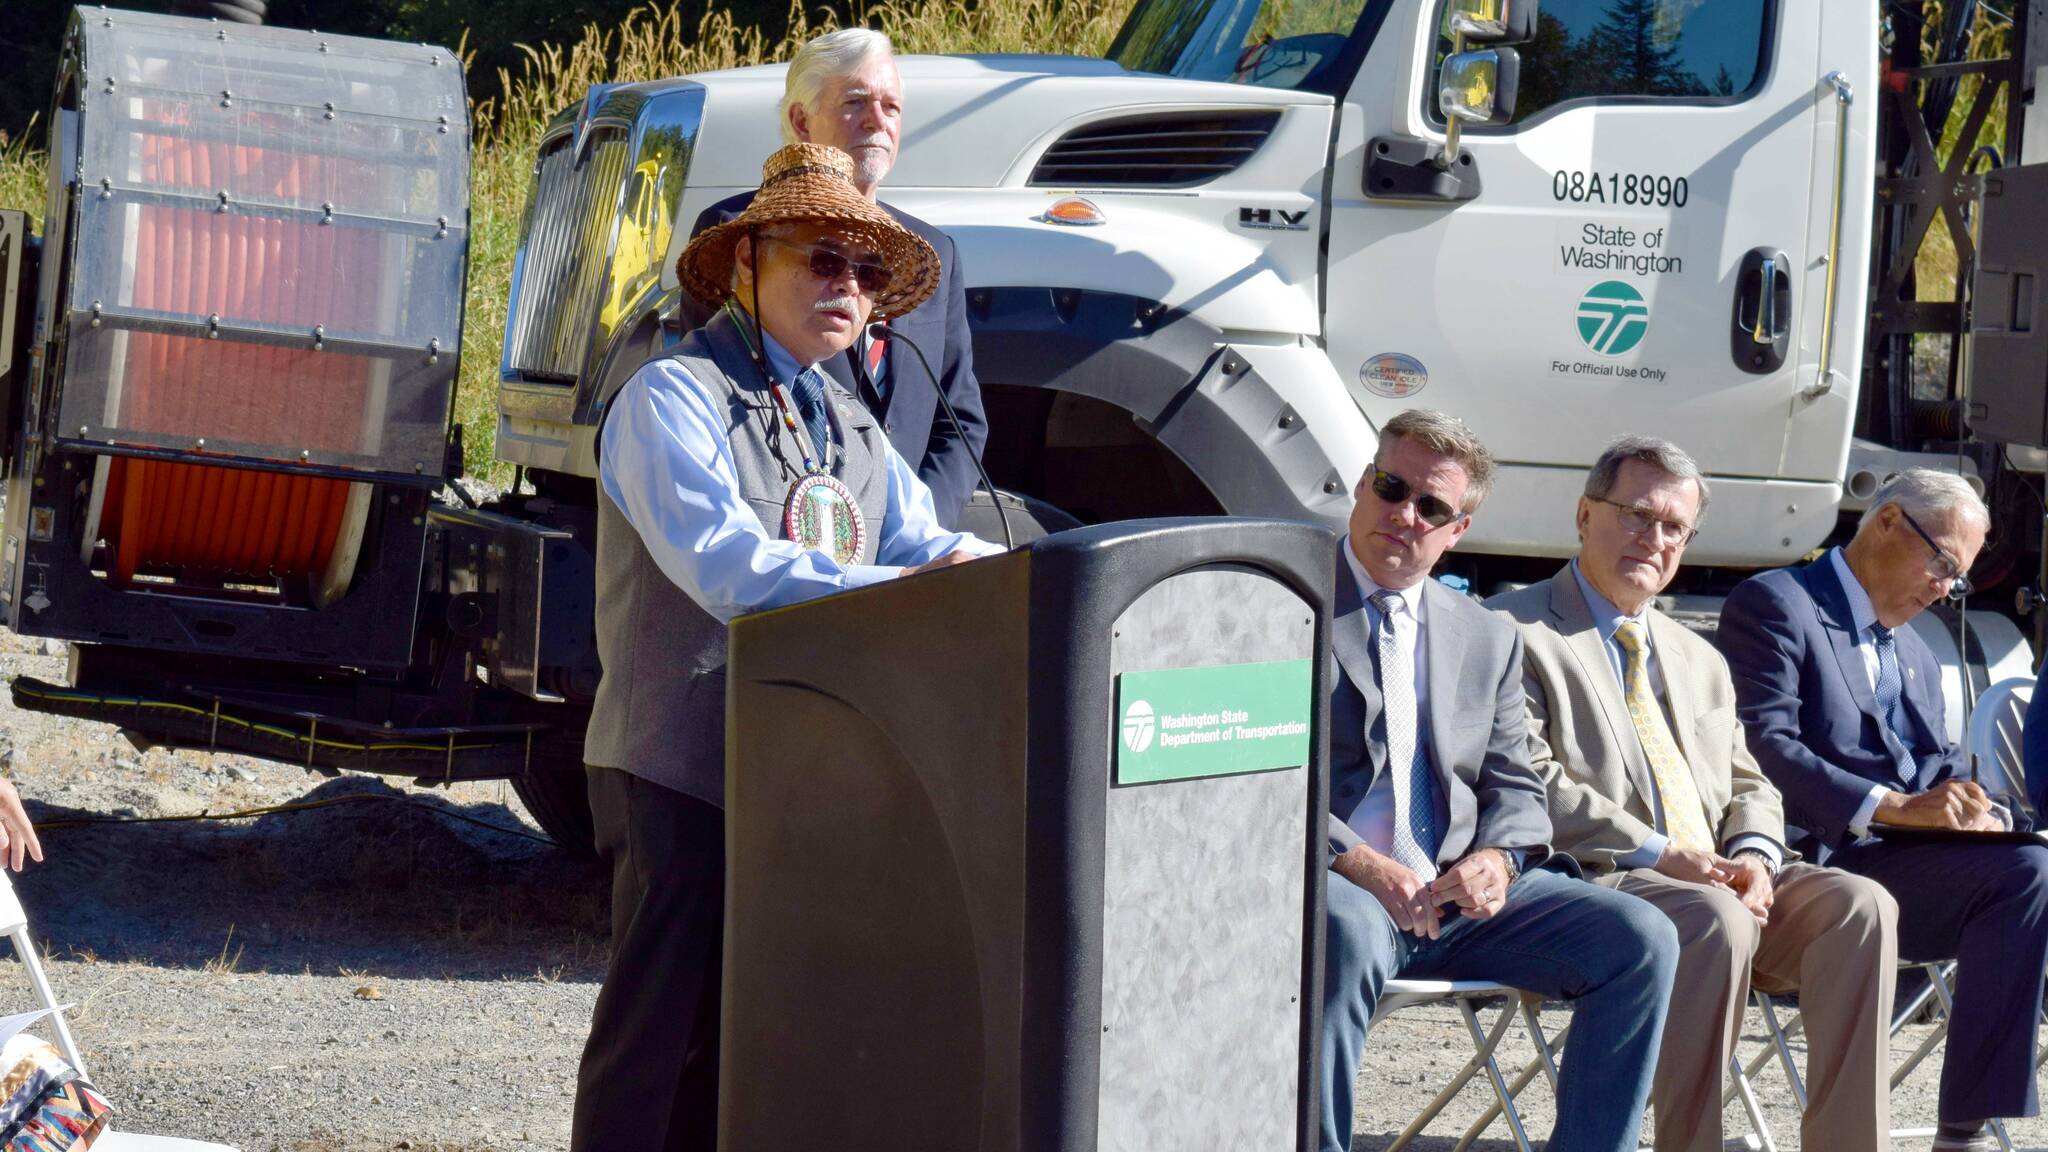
(1274, 43)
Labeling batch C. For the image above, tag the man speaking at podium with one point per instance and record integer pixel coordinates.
(1438, 820)
(735, 477)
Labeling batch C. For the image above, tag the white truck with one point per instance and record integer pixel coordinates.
(1203, 270)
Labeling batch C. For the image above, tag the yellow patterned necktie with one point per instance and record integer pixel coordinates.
(1684, 816)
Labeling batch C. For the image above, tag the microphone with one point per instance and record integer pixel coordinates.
(881, 331)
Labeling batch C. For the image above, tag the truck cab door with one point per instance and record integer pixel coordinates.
(1642, 248)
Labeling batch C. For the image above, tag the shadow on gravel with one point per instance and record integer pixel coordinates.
(381, 887)
(1368, 1142)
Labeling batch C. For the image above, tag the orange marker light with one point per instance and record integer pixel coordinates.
(1078, 211)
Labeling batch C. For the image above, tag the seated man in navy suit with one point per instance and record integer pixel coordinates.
(1842, 708)
(1438, 822)
(2034, 737)
(843, 89)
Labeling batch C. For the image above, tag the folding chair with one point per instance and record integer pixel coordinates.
(1940, 975)
(1469, 995)
(14, 923)
(1995, 736)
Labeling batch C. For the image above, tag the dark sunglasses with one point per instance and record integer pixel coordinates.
(1394, 490)
(827, 264)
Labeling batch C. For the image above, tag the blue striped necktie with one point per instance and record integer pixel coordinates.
(1889, 687)
(809, 391)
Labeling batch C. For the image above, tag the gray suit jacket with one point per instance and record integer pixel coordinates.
(1584, 745)
(1476, 727)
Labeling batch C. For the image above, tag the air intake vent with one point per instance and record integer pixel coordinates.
(1162, 150)
(567, 248)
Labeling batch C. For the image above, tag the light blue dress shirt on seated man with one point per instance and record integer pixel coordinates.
(1608, 619)
(667, 464)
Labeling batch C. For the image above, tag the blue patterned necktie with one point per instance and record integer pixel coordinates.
(1889, 686)
(809, 392)
(1414, 796)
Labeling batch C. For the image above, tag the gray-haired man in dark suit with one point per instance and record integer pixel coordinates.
(1438, 824)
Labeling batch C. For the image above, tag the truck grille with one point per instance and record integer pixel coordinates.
(566, 249)
(1171, 149)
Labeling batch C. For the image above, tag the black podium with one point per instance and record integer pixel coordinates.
(1026, 855)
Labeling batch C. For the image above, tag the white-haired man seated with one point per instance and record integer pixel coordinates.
(843, 90)
(1842, 708)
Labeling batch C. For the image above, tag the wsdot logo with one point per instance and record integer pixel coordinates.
(1138, 726)
(1613, 318)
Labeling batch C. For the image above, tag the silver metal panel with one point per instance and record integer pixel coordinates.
(1202, 901)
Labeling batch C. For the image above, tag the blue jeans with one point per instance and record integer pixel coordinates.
(1612, 955)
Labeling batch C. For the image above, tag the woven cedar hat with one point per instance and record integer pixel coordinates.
(814, 182)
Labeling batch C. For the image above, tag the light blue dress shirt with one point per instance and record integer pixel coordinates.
(667, 463)
(1607, 620)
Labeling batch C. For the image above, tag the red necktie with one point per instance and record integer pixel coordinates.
(877, 349)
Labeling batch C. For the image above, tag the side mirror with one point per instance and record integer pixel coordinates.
(1478, 87)
(1491, 21)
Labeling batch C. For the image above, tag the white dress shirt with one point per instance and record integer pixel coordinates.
(1608, 619)
(667, 463)
(1373, 819)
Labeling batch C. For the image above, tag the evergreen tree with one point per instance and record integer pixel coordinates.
(1628, 52)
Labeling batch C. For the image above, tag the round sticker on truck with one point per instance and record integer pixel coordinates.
(1393, 375)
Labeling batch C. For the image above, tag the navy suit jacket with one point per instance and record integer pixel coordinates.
(1808, 708)
(1476, 726)
(911, 416)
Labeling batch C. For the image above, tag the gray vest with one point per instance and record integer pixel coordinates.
(660, 711)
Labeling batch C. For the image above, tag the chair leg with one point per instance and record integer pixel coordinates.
(1937, 986)
(1781, 1041)
(1484, 1044)
(25, 948)
(1739, 1084)
(1500, 1083)
(1545, 1061)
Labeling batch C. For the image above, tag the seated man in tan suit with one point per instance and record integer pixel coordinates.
(1653, 790)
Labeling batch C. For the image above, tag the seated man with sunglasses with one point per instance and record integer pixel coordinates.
(734, 477)
(1441, 842)
(1653, 792)
(1842, 707)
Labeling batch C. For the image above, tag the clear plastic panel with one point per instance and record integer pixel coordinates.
(271, 182)
(217, 397)
(175, 258)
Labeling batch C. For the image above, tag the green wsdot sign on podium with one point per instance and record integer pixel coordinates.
(1185, 723)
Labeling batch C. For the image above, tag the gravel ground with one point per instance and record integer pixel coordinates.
(376, 975)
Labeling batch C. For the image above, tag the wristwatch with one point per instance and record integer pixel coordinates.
(1770, 865)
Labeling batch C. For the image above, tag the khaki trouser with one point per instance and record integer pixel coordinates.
(1832, 938)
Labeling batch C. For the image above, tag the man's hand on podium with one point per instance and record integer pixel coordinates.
(947, 561)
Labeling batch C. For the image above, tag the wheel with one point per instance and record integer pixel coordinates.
(559, 800)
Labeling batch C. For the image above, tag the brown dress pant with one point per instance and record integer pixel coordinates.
(1833, 939)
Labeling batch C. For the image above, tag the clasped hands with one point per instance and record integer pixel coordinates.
(1744, 876)
(1477, 885)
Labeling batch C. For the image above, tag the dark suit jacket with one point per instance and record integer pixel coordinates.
(911, 416)
(1808, 708)
(1476, 724)
(2034, 738)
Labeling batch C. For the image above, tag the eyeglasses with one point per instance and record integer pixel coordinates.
(1941, 565)
(1431, 510)
(827, 264)
(1637, 522)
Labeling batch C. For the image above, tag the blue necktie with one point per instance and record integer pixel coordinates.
(1889, 687)
(809, 391)
(1414, 792)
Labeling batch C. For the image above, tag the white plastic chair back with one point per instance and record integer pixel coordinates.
(1995, 736)
(14, 922)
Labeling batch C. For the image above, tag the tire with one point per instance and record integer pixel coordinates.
(558, 798)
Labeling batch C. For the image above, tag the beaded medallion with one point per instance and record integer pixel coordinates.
(821, 513)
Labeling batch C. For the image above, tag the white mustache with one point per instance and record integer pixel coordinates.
(847, 304)
(872, 140)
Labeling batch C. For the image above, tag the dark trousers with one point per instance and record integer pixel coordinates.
(649, 1078)
(1987, 906)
